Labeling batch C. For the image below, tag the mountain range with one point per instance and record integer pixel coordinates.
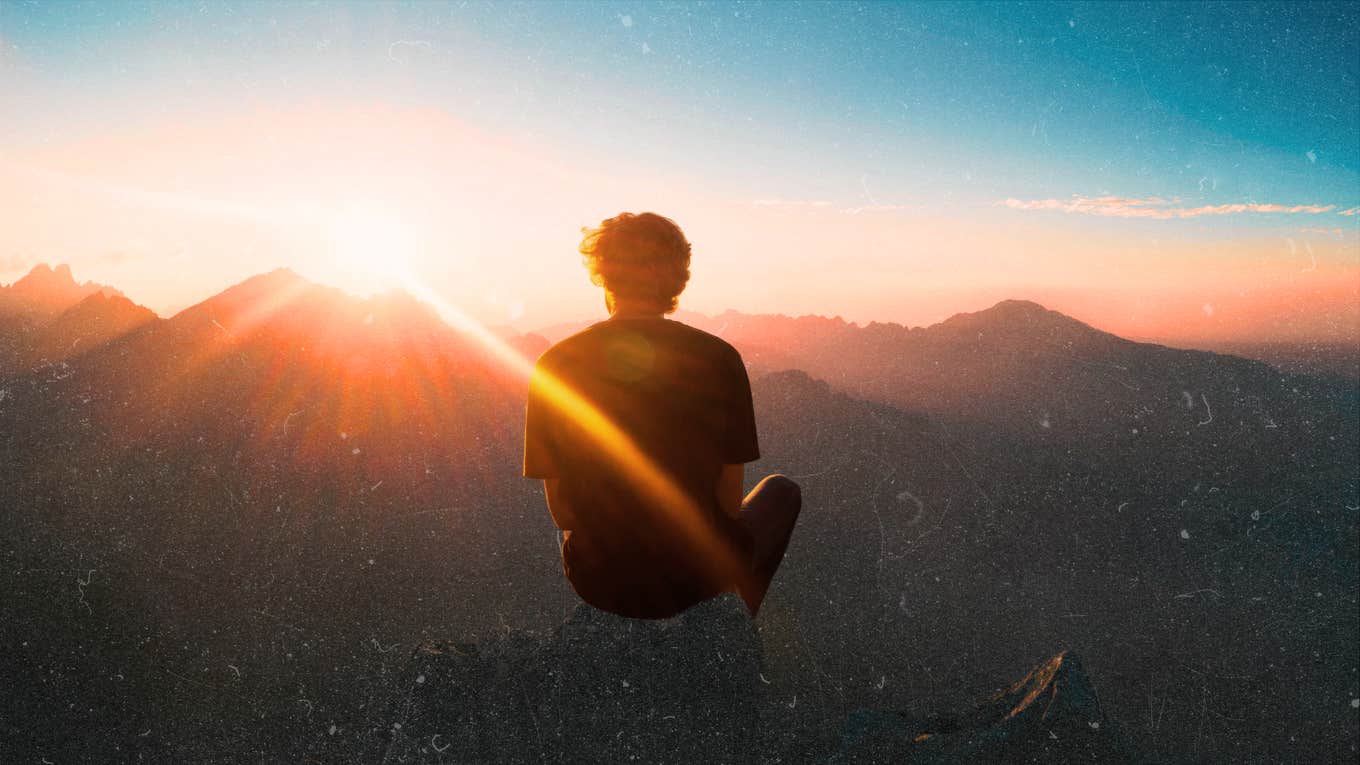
(234, 525)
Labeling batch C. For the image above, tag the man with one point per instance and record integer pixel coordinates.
(639, 427)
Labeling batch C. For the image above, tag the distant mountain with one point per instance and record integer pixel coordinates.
(1036, 372)
(94, 321)
(307, 374)
(46, 292)
(46, 317)
(1320, 357)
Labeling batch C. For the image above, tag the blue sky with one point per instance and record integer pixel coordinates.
(898, 102)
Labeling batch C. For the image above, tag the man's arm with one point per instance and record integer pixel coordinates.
(558, 507)
(729, 488)
(739, 444)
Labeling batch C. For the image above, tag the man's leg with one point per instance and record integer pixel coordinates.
(768, 513)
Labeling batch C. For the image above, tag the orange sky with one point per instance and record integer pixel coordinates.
(357, 195)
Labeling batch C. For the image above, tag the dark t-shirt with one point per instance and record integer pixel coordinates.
(682, 398)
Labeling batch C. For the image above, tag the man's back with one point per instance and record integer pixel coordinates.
(683, 398)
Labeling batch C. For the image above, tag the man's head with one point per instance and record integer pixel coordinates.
(640, 259)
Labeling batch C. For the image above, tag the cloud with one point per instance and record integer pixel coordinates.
(1154, 208)
(402, 51)
(1351, 211)
(1323, 231)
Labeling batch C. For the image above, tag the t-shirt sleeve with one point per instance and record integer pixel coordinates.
(739, 442)
(540, 427)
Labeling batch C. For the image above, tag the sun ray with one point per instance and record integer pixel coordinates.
(644, 474)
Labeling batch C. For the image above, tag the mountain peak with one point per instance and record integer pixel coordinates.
(43, 276)
(279, 277)
(263, 294)
(1024, 317)
(109, 302)
(1019, 306)
(317, 316)
(278, 287)
(46, 291)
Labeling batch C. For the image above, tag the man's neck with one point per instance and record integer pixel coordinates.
(636, 311)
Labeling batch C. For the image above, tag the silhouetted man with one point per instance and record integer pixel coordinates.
(639, 427)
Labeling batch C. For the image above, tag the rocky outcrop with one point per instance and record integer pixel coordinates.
(1051, 716)
(47, 317)
(601, 688)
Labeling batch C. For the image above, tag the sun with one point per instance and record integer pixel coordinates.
(370, 248)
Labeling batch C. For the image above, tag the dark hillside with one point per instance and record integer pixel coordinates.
(231, 529)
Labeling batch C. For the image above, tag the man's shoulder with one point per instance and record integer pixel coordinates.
(717, 345)
(570, 345)
(663, 330)
(696, 343)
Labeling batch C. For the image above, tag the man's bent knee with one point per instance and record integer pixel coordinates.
(784, 486)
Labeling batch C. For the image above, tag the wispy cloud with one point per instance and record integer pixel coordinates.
(1155, 208)
(1351, 211)
(1323, 231)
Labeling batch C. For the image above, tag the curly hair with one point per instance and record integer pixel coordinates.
(643, 257)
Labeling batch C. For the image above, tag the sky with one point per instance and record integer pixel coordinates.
(1179, 171)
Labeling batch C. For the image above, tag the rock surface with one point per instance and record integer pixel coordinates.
(601, 688)
(1051, 716)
